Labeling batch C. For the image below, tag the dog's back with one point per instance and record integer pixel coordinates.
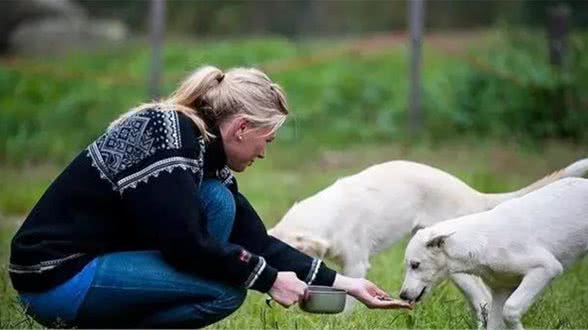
(553, 218)
(395, 186)
(556, 216)
(392, 193)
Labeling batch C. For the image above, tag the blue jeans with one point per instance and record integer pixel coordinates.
(139, 289)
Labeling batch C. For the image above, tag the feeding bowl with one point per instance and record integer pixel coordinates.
(323, 300)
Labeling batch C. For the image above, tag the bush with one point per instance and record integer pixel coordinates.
(512, 90)
(51, 109)
(504, 90)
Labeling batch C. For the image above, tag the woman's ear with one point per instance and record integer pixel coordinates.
(242, 126)
(235, 128)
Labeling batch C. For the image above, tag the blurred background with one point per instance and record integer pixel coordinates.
(491, 91)
(510, 69)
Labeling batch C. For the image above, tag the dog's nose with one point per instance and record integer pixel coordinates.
(404, 295)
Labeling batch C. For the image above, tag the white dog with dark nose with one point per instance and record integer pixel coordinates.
(516, 248)
(363, 214)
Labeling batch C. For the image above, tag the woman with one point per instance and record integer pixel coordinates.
(146, 227)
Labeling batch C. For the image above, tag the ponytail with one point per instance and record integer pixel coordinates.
(209, 96)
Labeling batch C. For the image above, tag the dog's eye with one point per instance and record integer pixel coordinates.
(414, 264)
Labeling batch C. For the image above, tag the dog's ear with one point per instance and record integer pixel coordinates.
(438, 240)
(415, 229)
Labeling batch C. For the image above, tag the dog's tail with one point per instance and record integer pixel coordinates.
(576, 169)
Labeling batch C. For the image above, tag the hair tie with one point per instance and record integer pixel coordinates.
(220, 77)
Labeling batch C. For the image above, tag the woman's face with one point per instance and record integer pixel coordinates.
(243, 143)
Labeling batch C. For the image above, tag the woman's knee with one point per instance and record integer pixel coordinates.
(232, 299)
(224, 305)
(198, 314)
(218, 206)
(217, 198)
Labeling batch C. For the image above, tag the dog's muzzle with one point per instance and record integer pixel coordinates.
(421, 294)
(404, 295)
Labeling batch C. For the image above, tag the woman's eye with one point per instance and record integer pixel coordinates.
(415, 264)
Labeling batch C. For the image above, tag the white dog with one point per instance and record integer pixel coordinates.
(360, 215)
(516, 248)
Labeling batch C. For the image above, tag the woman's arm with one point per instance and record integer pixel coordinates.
(250, 232)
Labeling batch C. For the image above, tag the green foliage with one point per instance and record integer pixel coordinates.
(347, 99)
(51, 109)
(513, 91)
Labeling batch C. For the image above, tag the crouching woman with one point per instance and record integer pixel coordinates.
(146, 227)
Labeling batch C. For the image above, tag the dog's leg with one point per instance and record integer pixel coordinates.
(495, 320)
(532, 284)
(354, 267)
(358, 269)
(477, 294)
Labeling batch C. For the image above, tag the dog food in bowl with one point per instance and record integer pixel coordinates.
(323, 300)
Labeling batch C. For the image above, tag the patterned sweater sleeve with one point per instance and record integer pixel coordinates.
(154, 160)
(277, 253)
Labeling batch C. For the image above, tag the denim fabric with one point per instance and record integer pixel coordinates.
(139, 289)
(57, 307)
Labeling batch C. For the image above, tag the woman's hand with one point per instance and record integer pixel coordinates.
(287, 289)
(368, 293)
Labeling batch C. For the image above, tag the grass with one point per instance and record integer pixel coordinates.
(293, 172)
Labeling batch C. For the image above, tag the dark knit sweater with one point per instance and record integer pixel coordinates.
(136, 188)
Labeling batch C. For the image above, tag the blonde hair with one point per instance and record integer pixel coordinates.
(209, 96)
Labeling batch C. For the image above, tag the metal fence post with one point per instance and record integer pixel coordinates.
(416, 18)
(157, 31)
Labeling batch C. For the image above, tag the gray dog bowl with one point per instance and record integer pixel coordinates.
(324, 300)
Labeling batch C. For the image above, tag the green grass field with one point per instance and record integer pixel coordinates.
(292, 173)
